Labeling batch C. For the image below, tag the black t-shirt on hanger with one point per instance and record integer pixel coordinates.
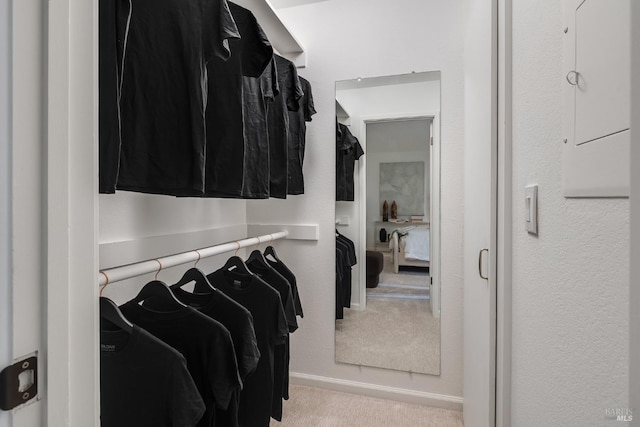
(281, 268)
(206, 346)
(164, 89)
(227, 159)
(235, 318)
(278, 122)
(258, 94)
(145, 382)
(271, 329)
(282, 352)
(297, 138)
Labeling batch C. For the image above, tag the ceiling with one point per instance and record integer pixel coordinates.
(398, 135)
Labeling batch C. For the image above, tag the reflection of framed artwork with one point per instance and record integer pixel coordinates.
(404, 183)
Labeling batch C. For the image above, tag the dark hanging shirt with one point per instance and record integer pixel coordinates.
(348, 150)
(271, 329)
(258, 95)
(164, 92)
(297, 138)
(113, 27)
(235, 318)
(288, 274)
(207, 347)
(278, 122)
(145, 382)
(227, 156)
(282, 351)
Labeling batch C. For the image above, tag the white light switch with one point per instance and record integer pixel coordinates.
(531, 207)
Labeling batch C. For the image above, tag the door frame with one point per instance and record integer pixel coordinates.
(504, 223)
(72, 321)
(434, 170)
(6, 207)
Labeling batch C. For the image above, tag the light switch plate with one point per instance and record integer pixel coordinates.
(531, 208)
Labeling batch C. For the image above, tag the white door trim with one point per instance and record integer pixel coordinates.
(72, 214)
(504, 218)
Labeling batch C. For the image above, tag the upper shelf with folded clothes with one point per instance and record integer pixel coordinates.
(283, 41)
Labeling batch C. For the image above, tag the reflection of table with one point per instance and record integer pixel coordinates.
(389, 227)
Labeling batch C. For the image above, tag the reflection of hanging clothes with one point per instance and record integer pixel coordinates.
(345, 260)
(348, 150)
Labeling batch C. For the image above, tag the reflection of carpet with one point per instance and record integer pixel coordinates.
(397, 329)
(412, 283)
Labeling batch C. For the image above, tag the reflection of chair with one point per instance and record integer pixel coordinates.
(375, 264)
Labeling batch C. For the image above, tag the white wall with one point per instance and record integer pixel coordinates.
(127, 216)
(571, 283)
(345, 40)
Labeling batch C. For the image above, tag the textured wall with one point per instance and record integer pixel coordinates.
(344, 40)
(571, 283)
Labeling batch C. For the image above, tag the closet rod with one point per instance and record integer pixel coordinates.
(128, 271)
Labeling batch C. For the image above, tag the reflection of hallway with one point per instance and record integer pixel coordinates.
(397, 329)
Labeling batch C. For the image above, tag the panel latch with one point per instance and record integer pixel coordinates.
(19, 383)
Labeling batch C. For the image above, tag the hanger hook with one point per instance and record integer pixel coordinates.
(258, 244)
(199, 258)
(271, 235)
(236, 252)
(106, 284)
(159, 269)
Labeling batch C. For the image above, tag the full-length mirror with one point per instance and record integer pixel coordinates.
(388, 222)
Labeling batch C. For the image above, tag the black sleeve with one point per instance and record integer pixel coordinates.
(309, 107)
(257, 49)
(269, 81)
(294, 88)
(358, 150)
(218, 28)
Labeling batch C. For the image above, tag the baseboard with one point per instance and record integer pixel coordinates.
(379, 391)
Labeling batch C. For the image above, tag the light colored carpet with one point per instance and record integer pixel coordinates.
(396, 331)
(313, 407)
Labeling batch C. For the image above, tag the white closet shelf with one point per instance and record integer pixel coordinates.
(282, 39)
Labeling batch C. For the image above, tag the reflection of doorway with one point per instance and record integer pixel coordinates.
(398, 139)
